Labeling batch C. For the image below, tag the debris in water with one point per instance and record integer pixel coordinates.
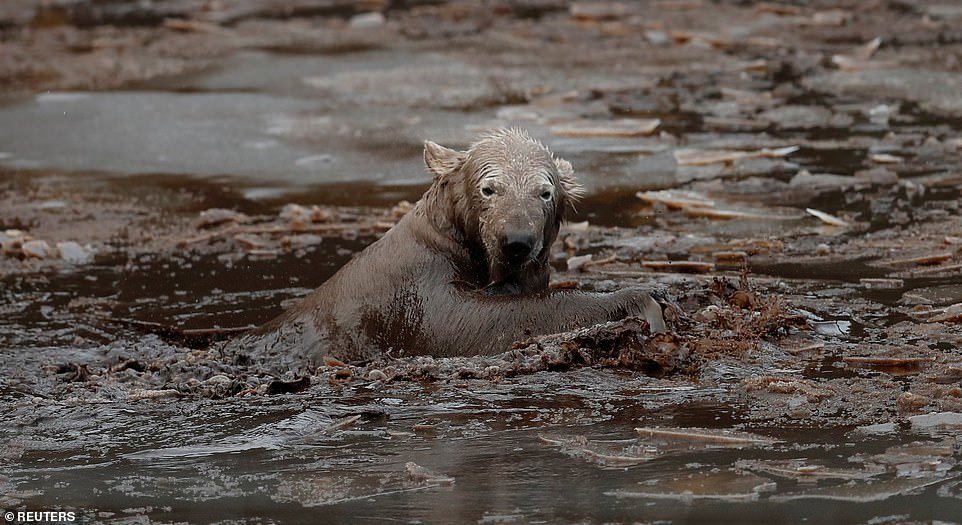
(865, 52)
(298, 217)
(827, 218)
(882, 283)
(72, 252)
(923, 260)
(730, 257)
(194, 26)
(376, 375)
(933, 270)
(367, 20)
(578, 262)
(252, 242)
(419, 474)
(804, 471)
(697, 205)
(37, 249)
(699, 157)
(679, 266)
(342, 423)
(140, 395)
(778, 9)
(713, 213)
(859, 58)
(864, 492)
(950, 314)
(676, 199)
(837, 328)
(598, 10)
(706, 437)
(720, 485)
(606, 128)
(830, 17)
(607, 454)
(916, 459)
(11, 241)
(797, 347)
(936, 421)
(878, 428)
(884, 158)
(219, 217)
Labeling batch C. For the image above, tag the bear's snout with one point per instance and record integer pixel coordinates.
(517, 246)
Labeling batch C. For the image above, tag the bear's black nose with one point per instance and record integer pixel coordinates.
(516, 247)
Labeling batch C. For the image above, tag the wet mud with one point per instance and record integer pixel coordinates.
(174, 173)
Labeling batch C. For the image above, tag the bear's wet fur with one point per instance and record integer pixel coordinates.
(464, 273)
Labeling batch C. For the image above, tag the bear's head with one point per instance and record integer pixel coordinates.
(507, 196)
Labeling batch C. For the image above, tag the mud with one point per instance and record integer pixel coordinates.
(173, 173)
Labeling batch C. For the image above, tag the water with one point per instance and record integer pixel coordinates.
(279, 458)
(133, 169)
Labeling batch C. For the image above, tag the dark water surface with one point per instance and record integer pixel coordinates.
(251, 135)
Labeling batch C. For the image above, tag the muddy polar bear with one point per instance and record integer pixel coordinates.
(464, 273)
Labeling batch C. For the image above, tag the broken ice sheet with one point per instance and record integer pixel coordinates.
(885, 158)
(699, 157)
(881, 284)
(951, 314)
(678, 439)
(315, 489)
(606, 128)
(864, 492)
(676, 199)
(421, 475)
(835, 328)
(698, 205)
(37, 249)
(797, 117)
(725, 485)
(829, 219)
(937, 421)
(935, 295)
(859, 58)
(607, 454)
(749, 214)
(878, 428)
(905, 356)
(922, 260)
(679, 266)
(916, 459)
(805, 471)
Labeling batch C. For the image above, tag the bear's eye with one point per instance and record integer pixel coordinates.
(487, 191)
(546, 196)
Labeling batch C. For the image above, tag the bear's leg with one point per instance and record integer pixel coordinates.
(471, 323)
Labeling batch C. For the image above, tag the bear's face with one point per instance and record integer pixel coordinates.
(513, 196)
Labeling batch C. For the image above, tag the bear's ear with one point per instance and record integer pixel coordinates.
(572, 188)
(440, 160)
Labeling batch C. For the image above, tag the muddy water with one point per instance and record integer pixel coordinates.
(263, 128)
(340, 451)
(278, 459)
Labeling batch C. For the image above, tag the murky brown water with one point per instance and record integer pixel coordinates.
(99, 419)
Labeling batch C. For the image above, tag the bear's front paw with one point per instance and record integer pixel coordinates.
(670, 308)
(654, 314)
